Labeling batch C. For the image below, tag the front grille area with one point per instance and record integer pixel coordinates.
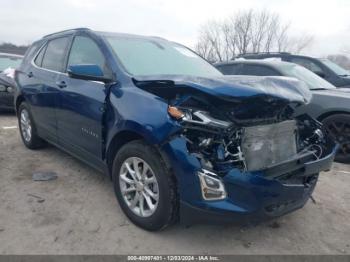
(264, 146)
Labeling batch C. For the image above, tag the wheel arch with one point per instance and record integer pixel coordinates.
(119, 140)
(331, 113)
(19, 100)
(122, 138)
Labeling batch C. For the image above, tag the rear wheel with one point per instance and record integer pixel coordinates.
(27, 128)
(338, 127)
(144, 187)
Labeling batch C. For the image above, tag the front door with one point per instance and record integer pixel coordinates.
(81, 105)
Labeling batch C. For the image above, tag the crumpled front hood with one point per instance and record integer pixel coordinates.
(230, 88)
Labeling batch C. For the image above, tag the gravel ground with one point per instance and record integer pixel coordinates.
(78, 214)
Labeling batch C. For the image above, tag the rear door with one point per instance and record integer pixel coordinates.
(81, 104)
(42, 90)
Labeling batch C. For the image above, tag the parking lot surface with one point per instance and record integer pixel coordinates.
(78, 214)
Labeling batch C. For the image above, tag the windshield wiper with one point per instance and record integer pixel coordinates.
(344, 75)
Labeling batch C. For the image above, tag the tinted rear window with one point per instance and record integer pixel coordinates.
(39, 59)
(55, 54)
(229, 69)
(32, 50)
(258, 70)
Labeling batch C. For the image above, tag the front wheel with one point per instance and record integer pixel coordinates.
(338, 127)
(27, 128)
(144, 187)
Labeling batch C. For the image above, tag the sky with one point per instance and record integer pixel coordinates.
(23, 21)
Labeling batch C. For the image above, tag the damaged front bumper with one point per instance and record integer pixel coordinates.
(250, 196)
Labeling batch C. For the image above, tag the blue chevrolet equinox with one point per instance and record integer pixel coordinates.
(179, 140)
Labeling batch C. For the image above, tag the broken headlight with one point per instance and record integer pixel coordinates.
(211, 186)
(197, 117)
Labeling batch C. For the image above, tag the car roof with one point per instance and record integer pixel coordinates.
(67, 31)
(271, 55)
(264, 54)
(267, 62)
(101, 33)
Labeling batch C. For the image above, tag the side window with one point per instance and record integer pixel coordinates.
(307, 63)
(232, 69)
(55, 54)
(85, 51)
(258, 70)
(39, 59)
(30, 53)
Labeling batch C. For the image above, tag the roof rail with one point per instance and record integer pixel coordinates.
(67, 30)
(265, 53)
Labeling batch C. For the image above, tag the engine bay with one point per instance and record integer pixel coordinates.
(258, 144)
(240, 122)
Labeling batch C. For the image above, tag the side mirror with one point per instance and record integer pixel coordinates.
(87, 72)
(320, 74)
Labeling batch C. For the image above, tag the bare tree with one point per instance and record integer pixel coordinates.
(247, 31)
(204, 49)
(230, 41)
(211, 35)
(243, 25)
(259, 30)
(301, 43)
(272, 27)
(281, 37)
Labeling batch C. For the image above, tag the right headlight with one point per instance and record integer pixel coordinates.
(2, 88)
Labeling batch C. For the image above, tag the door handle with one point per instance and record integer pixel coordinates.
(30, 74)
(61, 84)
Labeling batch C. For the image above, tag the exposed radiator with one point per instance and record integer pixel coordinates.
(267, 145)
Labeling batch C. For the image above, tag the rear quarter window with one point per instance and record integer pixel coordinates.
(39, 58)
(30, 53)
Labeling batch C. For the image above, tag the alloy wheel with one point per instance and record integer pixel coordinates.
(26, 126)
(139, 186)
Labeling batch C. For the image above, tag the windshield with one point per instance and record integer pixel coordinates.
(312, 80)
(335, 68)
(7, 61)
(143, 57)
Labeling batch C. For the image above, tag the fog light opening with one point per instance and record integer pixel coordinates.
(211, 186)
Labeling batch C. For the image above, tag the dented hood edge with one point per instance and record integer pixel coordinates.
(229, 88)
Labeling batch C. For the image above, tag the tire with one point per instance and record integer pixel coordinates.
(165, 206)
(27, 128)
(338, 126)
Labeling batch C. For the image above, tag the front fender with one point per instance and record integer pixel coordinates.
(134, 110)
